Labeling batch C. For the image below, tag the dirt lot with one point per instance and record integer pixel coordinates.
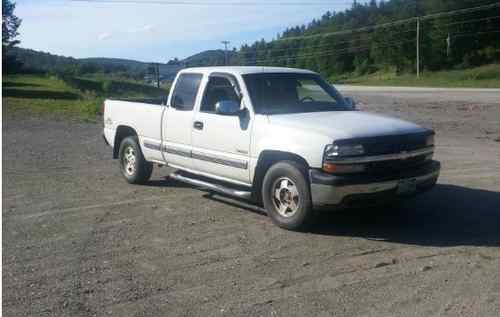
(78, 240)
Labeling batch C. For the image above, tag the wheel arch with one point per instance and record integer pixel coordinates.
(122, 132)
(266, 159)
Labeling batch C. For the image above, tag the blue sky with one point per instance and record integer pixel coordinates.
(153, 32)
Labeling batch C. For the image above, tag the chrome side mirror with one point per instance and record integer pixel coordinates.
(228, 108)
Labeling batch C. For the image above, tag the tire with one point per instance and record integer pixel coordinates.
(133, 166)
(286, 196)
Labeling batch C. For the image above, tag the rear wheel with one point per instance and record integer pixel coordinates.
(286, 196)
(133, 166)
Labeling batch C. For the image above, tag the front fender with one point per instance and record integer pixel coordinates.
(306, 144)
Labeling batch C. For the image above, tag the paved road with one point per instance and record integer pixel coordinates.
(422, 94)
(396, 89)
(78, 240)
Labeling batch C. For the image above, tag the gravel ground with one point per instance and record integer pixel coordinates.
(78, 240)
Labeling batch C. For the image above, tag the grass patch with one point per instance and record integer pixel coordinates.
(480, 77)
(75, 96)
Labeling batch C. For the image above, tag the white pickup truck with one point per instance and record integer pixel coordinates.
(280, 137)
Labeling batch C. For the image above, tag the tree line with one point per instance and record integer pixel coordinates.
(31, 61)
(346, 41)
(378, 35)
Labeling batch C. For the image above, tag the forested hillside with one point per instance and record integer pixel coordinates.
(366, 38)
(208, 58)
(31, 61)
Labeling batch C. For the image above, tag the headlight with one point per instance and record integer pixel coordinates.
(429, 141)
(333, 151)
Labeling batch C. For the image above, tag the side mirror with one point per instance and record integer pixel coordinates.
(227, 108)
(350, 102)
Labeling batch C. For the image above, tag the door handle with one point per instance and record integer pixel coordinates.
(198, 125)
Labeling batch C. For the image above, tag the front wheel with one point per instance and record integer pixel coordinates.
(133, 166)
(286, 196)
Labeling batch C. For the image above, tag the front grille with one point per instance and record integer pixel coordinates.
(389, 144)
(394, 144)
(395, 166)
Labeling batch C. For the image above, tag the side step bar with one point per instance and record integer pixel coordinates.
(212, 187)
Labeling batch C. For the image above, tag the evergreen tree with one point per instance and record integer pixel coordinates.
(459, 40)
(10, 24)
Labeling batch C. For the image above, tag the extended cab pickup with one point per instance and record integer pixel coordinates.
(281, 137)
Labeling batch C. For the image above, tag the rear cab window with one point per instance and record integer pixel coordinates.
(185, 91)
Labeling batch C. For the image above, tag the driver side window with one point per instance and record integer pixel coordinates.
(309, 90)
(218, 89)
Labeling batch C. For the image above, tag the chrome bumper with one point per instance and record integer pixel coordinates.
(324, 194)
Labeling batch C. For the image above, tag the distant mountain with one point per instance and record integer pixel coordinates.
(168, 71)
(132, 64)
(41, 61)
(208, 58)
(205, 58)
(36, 61)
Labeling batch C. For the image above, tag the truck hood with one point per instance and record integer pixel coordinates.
(345, 124)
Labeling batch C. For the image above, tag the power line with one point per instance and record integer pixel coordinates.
(351, 50)
(397, 22)
(475, 33)
(347, 50)
(369, 38)
(220, 3)
(470, 34)
(350, 31)
(324, 54)
(272, 50)
(460, 11)
(468, 21)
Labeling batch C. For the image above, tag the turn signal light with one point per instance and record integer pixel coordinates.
(342, 168)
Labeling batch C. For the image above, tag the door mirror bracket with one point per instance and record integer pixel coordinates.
(350, 103)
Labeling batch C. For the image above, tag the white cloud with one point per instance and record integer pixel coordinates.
(147, 31)
(104, 36)
(143, 29)
(147, 28)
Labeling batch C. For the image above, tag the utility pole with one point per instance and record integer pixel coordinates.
(418, 47)
(226, 43)
(448, 45)
(417, 13)
(158, 75)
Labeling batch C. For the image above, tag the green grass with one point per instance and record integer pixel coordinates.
(480, 77)
(75, 96)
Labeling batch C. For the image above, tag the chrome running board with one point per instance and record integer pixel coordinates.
(212, 187)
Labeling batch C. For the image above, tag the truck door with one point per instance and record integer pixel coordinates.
(177, 120)
(221, 143)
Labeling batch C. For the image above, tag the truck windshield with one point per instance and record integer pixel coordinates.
(281, 93)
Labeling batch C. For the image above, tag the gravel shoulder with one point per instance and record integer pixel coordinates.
(79, 241)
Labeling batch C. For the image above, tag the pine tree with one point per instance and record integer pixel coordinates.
(10, 24)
